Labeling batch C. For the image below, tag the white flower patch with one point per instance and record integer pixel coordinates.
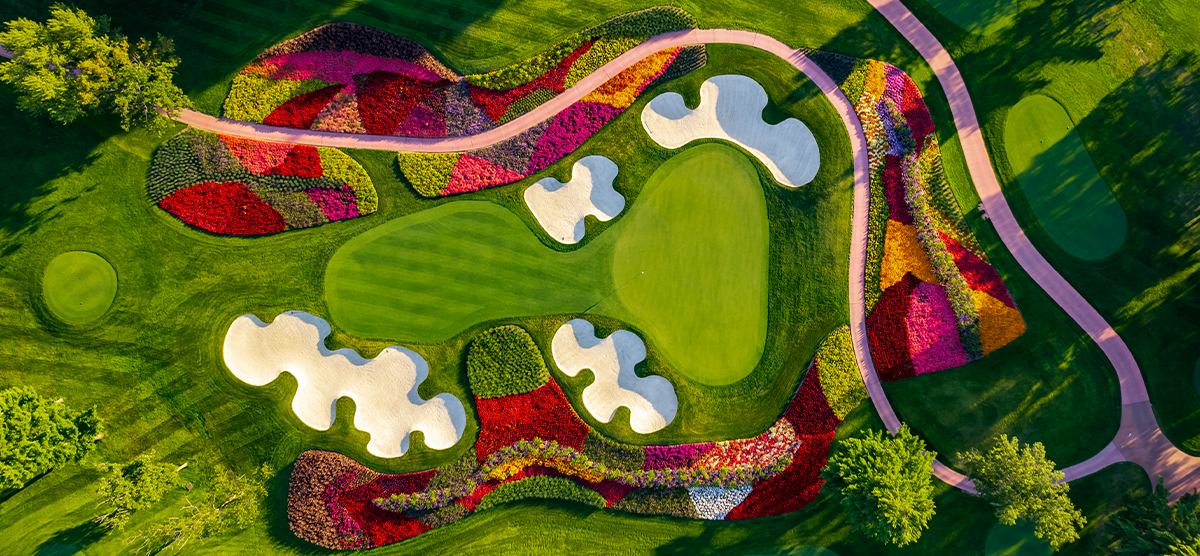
(716, 502)
(384, 389)
(561, 207)
(731, 108)
(651, 400)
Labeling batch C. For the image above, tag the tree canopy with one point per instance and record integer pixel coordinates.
(1150, 525)
(38, 434)
(886, 485)
(133, 486)
(228, 502)
(1022, 484)
(73, 65)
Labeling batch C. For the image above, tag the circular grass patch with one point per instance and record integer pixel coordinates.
(1015, 540)
(79, 286)
(1072, 202)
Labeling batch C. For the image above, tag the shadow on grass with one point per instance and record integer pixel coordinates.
(73, 540)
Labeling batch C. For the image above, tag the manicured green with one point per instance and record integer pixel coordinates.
(686, 265)
(691, 265)
(1015, 540)
(1072, 202)
(985, 17)
(79, 286)
(802, 551)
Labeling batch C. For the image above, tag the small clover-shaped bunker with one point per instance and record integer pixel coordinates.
(651, 400)
(561, 207)
(384, 389)
(731, 108)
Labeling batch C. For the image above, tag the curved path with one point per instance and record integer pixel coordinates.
(1139, 440)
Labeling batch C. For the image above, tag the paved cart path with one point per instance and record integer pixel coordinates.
(1139, 440)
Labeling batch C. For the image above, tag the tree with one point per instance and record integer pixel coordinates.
(38, 434)
(1023, 485)
(73, 65)
(886, 485)
(231, 502)
(131, 487)
(1150, 525)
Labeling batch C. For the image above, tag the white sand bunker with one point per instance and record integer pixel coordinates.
(384, 389)
(651, 400)
(560, 207)
(731, 108)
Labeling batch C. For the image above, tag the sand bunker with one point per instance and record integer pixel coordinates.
(651, 400)
(731, 108)
(384, 389)
(560, 207)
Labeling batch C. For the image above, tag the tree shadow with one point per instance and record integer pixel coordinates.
(73, 540)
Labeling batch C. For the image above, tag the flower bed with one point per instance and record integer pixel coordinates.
(350, 78)
(532, 445)
(233, 186)
(925, 269)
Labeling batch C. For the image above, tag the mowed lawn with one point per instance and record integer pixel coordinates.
(79, 286)
(1072, 202)
(686, 266)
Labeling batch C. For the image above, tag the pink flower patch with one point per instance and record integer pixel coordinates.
(933, 340)
(423, 121)
(257, 156)
(334, 67)
(474, 173)
(337, 204)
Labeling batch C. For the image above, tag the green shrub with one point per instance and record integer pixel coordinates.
(504, 361)
(646, 23)
(557, 488)
(838, 370)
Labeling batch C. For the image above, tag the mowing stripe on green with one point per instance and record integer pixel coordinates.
(79, 286)
(1073, 203)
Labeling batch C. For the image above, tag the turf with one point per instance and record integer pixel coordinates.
(1124, 71)
(687, 265)
(79, 286)
(985, 17)
(1072, 202)
(1015, 540)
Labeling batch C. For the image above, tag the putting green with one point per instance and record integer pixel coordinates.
(1073, 203)
(687, 266)
(1015, 540)
(984, 17)
(79, 286)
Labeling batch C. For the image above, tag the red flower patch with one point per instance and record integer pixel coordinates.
(495, 103)
(894, 190)
(792, 489)
(300, 112)
(385, 527)
(916, 115)
(386, 99)
(228, 208)
(543, 413)
(979, 275)
(302, 161)
(888, 332)
(809, 411)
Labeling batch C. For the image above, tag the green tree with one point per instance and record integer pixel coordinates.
(73, 65)
(1150, 525)
(38, 434)
(1023, 485)
(230, 502)
(133, 486)
(886, 485)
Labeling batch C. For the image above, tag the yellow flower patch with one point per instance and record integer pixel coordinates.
(902, 252)
(999, 324)
(508, 469)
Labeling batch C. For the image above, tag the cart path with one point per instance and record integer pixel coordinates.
(1139, 440)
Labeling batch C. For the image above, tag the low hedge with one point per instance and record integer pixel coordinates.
(504, 361)
(555, 488)
(838, 369)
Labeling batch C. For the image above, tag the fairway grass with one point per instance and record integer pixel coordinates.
(983, 17)
(79, 286)
(1015, 540)
(1072, 202)
(687, 266)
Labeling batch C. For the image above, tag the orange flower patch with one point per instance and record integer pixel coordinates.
(999, 324)
(902, 252)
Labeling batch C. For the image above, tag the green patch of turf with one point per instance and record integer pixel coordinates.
(1072, 202)
(1015, 540)
(802, 551)
(687, 264)
(79, 286)
(984, 17)
(691, 265)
